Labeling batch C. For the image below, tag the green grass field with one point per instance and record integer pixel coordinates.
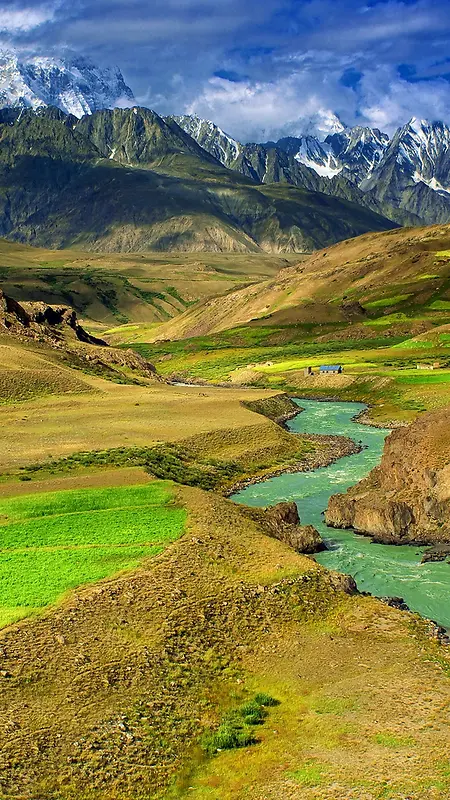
(384, 302)
(53, 542)
(379, 369)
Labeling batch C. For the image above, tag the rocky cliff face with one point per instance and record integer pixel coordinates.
(407, 498)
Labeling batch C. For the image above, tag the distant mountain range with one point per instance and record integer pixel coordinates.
(128, 180)
(404, 179)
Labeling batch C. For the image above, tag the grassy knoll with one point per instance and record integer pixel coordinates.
(214, 460)
(27, 373)
(115, 416)
(53, 542)
(127, 688)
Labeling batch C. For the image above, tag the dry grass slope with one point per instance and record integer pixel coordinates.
(116, 288)
(25, 375)
(375, 267)
(138, 667)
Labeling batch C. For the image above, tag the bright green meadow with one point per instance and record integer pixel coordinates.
(53, 542)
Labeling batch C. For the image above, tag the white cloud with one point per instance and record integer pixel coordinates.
(257, 111)
(388, 102)
(18, 21)
(286, 58)
(304, 100)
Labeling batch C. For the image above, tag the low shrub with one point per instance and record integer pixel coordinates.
(266, 700)
(165, 461)
(235, 730)
(227, 737)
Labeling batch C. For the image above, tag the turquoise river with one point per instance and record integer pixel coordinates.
(382, 570)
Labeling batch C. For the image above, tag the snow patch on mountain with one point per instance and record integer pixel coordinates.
(319, 157)
(432, 184)
(75, 85)
(423, 151)
(209, 136)
(321, 124)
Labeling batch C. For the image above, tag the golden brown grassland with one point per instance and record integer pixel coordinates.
(119, 288)
(137, 667)
(106, 696)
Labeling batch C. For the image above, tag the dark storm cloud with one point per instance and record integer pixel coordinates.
(259, 67)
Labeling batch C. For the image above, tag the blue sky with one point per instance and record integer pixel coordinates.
(259, 68)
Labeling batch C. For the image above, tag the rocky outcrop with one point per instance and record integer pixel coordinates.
(406, 499)
(59, 328)
(282, 522)
(353, 310)
(57, 320)
(441, 552)
(280, 408)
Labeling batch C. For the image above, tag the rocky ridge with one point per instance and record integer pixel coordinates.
(58, 327)
(127, 180)
(406, 499)
(406, 177)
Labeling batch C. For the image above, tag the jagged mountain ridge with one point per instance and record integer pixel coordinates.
(355, 164)
(73, 84)
(415, 170)
(407, 177)
(127, 180)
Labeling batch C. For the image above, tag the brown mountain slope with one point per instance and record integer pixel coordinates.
(407, 498)
(382, 271)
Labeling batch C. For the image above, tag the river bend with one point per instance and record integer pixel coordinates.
(379, 569)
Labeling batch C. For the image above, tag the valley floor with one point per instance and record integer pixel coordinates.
(113, 415)
(108, 688)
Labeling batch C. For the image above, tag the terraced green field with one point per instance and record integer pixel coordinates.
(53, 542)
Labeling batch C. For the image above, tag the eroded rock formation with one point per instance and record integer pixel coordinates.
(59, 328)
(407, 498)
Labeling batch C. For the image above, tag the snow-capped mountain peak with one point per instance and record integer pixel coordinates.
(321, 124)
(210, 137)
(354, 152)
(73, 84)
(318, 156)
(422, 150)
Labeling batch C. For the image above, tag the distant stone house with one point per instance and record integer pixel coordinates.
(435, 365)
(330, 369)
(308, 371)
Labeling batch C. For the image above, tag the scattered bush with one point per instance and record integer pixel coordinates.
(253, 713)
(166, 461)
(227, 737)
(266, 700)
(235, 730)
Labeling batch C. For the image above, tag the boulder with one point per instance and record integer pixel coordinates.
(282, 522)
